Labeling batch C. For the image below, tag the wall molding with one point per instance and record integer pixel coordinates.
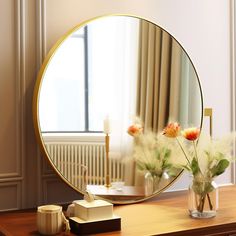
(18, 189)
(20, 92)
(41, 31)
(41, 53)
(40, 37)
(47, 170)
(61, 194)
(232, 80)
(46, 188)
(20, 80)
(16, 177)
(11, 174)
(11, 179)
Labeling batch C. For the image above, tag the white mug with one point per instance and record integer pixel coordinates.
(50, 219)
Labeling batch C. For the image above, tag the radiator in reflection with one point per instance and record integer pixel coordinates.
(70, 159)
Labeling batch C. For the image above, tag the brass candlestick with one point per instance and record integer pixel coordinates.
(107, 143)
(208, 112)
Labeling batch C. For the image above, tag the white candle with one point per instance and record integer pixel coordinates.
(106, 125)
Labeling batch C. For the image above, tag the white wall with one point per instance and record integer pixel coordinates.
(202, 27)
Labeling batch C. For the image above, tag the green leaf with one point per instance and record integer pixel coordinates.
(208, 187)
(140, 165)
(166, 165)
(194, 166)
(198, 187)
(167, 153)
(220, 167)
(148, 166)
(202, 187)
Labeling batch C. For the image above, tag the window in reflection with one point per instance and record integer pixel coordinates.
(113, 59)
(91, 82)
(62, 98)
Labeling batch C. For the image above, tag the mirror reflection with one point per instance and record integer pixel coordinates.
(114, 69)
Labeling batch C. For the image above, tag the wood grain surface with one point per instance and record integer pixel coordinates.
(166, 214)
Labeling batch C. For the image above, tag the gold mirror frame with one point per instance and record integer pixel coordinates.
(35, 104)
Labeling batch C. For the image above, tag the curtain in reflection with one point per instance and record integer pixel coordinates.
(190, 102)
(159, 77)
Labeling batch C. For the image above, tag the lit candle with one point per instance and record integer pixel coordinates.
(106, 125)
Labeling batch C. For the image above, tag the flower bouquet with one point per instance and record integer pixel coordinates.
(153, 156)
(205, 159)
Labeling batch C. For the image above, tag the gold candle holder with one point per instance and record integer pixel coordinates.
(108, 179)
(208, 112)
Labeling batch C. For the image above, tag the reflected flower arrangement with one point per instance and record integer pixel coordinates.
(152, 152)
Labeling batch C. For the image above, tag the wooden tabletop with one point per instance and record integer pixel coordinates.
(124, 193)
(168, 215)
(164, 215)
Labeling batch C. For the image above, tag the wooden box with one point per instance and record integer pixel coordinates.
(82, 227)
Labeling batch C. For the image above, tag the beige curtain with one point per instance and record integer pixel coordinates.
(190, 95)
(158, 77)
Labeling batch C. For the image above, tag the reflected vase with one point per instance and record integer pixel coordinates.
(154, 183)
(202, 198)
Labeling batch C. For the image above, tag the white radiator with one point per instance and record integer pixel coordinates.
(70, 160)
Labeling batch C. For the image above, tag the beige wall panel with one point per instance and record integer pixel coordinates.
(61, 16)
(8, 90)
(31, 149)
(10, 196)
(56, 191)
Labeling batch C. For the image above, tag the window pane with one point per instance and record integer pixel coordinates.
(112, 67)
(61, 105)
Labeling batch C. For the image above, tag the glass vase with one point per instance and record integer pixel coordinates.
(151, 183)
(203, 198)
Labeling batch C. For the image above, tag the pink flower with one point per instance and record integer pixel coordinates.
(135, 130)
(172, 130)
(191, 133)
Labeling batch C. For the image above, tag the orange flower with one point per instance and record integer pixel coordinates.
(135, 130)
(191, 133)
(172, 130)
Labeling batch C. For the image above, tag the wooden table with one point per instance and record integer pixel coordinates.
(165, 215)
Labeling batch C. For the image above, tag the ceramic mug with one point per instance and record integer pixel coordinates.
(50, 219)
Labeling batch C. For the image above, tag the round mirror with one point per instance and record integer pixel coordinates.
(121, 67)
